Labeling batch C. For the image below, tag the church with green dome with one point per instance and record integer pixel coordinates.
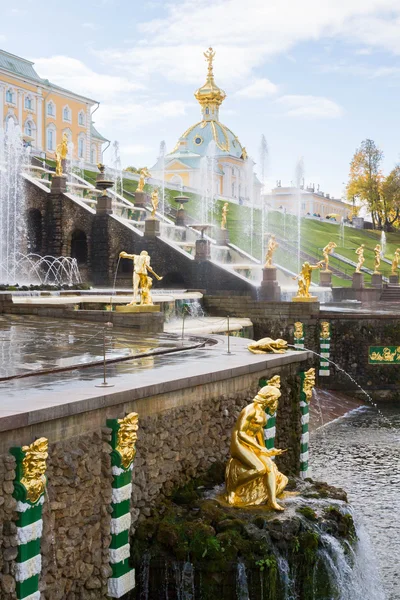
(210, 145)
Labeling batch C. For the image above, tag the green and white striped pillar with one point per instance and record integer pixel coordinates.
(299, 333)
(29, 488)
(123, 444)
(270, 426)
(307, 384)
(324, 348)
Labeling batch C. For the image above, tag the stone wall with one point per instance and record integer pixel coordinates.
(181, 434)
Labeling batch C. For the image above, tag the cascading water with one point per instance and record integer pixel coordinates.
(211, 187)
(383, 244)
(12, 202)
(250, 195)
(162, 165)
(242, 588)
(299, 178)
(342, 232)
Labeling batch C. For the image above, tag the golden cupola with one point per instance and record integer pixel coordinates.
(210, 96)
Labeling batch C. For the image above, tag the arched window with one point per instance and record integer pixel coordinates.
(81, 146)
(34, 230)
(66, 114)
(10, 96)
(51, 109)
(51, 138)
(233, 190)
(68, 133)
(79, 246)
(28, 128)
(28, 103)
(233, 170)
(93, 154)
(81, 118)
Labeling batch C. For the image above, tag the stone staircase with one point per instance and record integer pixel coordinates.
(391, 293)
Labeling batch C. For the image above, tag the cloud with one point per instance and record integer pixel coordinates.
(310, 107)
(258, 89)
(134, 149)
(136, 115)
(92, 26)
(74, 75)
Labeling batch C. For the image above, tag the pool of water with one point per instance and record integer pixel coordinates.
(361, 453)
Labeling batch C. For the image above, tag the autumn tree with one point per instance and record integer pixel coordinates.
(365, 179)
(390, 194)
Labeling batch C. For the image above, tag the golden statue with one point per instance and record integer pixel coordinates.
(268, 345)
(144, 174)
(275, 381)
(225, 210)
(395, 261)
(209, 56)
(361, 259)
(244, 153)
(325, 332)
(61, 155)
(298, 330)
(34, 469)
(251, 477)
(304, 279)
(141, 279)
(377, 261)
(126, 438)
(309, 384)
(272, 246)
(326, 252)
(154, 203)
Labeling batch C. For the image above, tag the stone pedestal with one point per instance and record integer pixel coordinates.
(325, 278)
(152, 228)
(358, 281)
(222, 237)
(138, 308)
(180, 220)
(394, 279)
(376, 280)
(141, 199)
(270, 289)
(104, 205)
(203, 249)
(58, 184)
(301, 299)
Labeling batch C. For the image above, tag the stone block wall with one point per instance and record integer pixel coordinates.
(181, 434)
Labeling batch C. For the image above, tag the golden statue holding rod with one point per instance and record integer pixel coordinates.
(304, 279)
(141, 279)
(377, 261)
(154, 203)
(326, 252)
(144, 174)
(395, 261)
(251, 476)
(361, 259)
(272, 246)
(61, 155)
(225, 210)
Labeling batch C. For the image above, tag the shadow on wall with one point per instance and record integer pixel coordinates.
(173, 280)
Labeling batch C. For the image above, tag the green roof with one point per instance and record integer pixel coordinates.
(18, 65)
(94, 133)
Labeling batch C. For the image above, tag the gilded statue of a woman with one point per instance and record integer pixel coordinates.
(251, 475)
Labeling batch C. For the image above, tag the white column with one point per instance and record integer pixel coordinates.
(2, 115)
(88, 137)
(39, 125)
(20, 97)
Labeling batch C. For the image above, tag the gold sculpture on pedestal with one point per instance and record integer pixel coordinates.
(154, 203)
(361, 259)
(377, 260)
(251, 477)
(304, 280)
(309, 384)
(141, 279)
(395, 261)
(61, 155)
(126, 438)
(268, 345)
(34, 468)
(272, 246)
(225, 210)
(326, 252)
(144, 174)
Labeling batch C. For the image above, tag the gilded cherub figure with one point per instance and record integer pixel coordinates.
(304, 278)
(144, 174)
(329, 248)
(154, 203)
(272, 246)
(395, 261)
(61, 155)
(377, 259)
(361, 259)
(224, 215)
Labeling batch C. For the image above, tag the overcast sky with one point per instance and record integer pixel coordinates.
(314, 76)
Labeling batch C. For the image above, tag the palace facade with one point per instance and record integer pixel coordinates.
(45, 111)
(210, 148)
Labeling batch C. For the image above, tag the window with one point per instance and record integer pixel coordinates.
(28, 103)
(81, 118)
(198, 140)
(51, 110)
(81, 147)
(207, 111)
(93, 155)
(233, 190)
(28, 128)
(51, 138)
(233, 170)
(66, 114)
(9, 96)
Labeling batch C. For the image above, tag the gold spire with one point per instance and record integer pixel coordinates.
(210, 96)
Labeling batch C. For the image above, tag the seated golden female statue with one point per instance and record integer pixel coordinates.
(251, 475)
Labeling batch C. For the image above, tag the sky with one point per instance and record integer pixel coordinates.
(316, 77)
